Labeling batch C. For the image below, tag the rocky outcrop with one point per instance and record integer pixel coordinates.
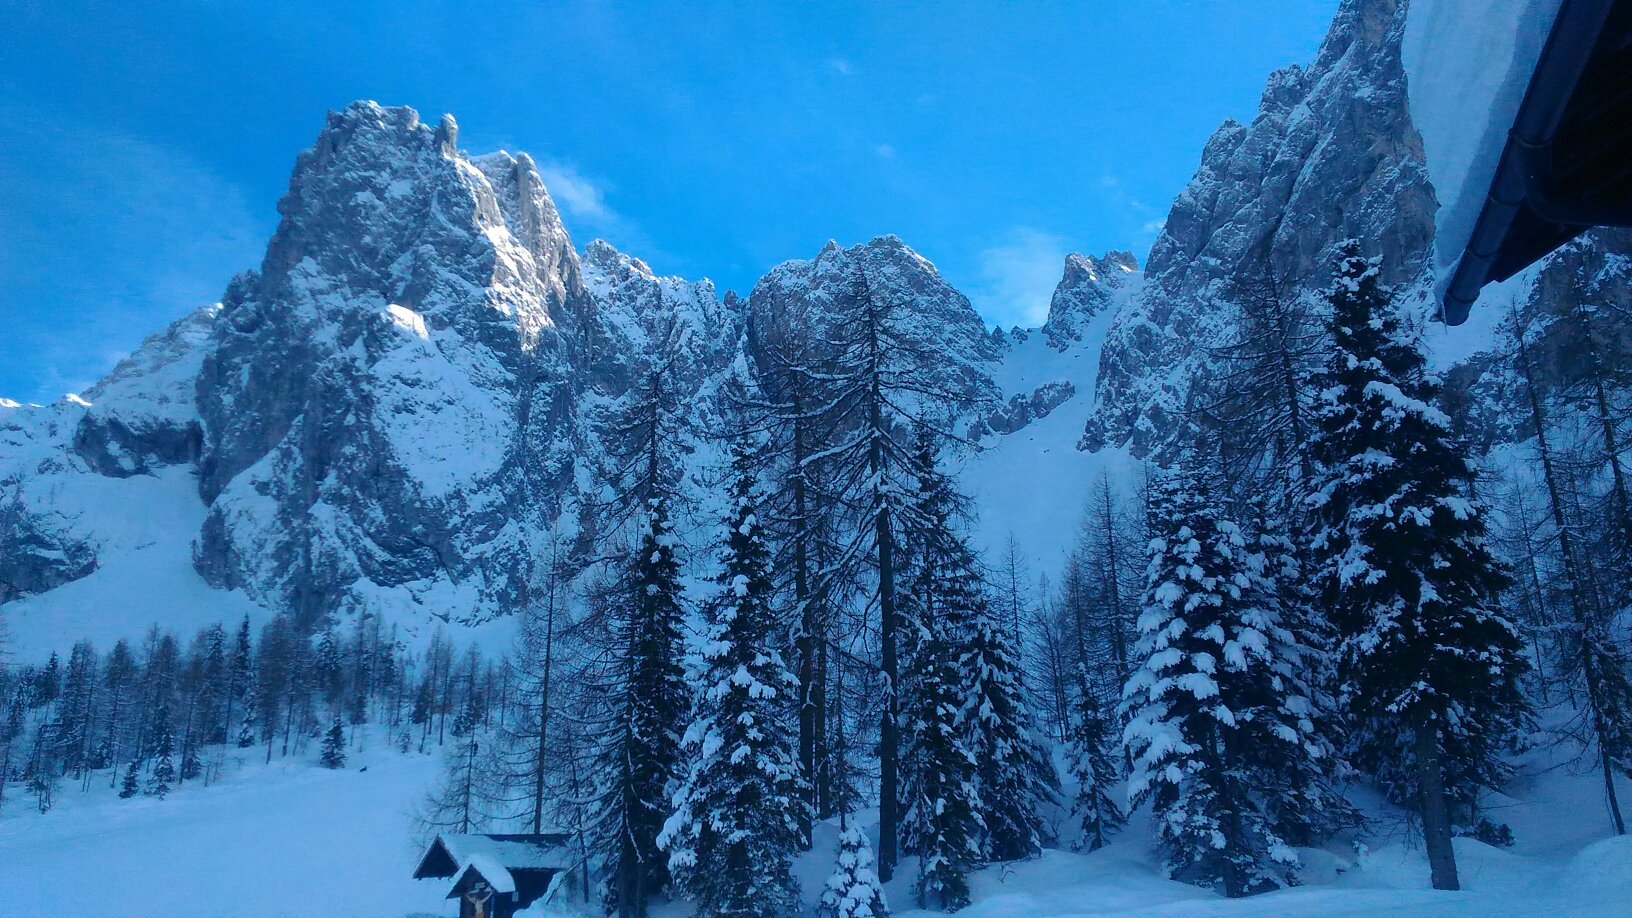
(1023, 408)
(1330, 155)
(143, 416)
(1083, 293)
(385, 402)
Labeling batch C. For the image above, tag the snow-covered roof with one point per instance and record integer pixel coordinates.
(1468, 63)
(1521, 105)
(549, 851)
(491, 870)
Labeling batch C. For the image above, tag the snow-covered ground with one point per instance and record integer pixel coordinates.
(145, 573)
(291, 837)
(1034, 484)
(281, 839)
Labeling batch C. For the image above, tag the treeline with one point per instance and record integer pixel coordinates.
(150, 718)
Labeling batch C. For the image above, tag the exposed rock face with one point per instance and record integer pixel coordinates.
(390, 411)
(637, 310)
(816, 298)
(1331, 155)
(385, 401)
(1023, 408)
(387, 413)
(144, 415)
(1084, 291)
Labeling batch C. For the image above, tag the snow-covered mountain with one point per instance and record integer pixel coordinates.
(391, 410)
(1332, 154)
(383, 416)
(1083, 293)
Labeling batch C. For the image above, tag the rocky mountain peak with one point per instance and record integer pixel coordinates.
(1084, 291)
(605, 256)
(1330, 155)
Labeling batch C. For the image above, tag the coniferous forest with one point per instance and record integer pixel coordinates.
(1311, 590)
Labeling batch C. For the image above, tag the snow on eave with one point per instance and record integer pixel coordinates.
(1467, 64)
(495, 873)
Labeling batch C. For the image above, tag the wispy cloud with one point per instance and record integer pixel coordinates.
(1144, 221)
(884, 151)
(1018, 275)
(579, 196)
(842, 66)
(106, 237)
(586, 209)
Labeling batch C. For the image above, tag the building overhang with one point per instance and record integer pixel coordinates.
(1567, 163)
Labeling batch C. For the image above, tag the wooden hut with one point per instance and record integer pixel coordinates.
(494, 876)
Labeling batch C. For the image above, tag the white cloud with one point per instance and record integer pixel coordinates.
(884, 151)
(1018, 276)
(842, 66)
(581, 197)
(588, 215)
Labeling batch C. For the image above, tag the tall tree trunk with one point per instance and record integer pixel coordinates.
(889, 737)
(822, 780)
(1436, 809)
(1119, 644)
(542, 751)
(805, 646)
(1604, 761)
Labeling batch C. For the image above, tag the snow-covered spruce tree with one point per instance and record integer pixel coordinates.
(163, 775)
(1213, 711)
(1310, 806)
(853, 891)
(77, 709)
(131, 786)
(334, 745)
(249, 709)
(638, 766)
(1429, 668)
(1092, 754)
(942, 819)
(1014, 775)
(240, 687)
(943, 811)
(737, 821)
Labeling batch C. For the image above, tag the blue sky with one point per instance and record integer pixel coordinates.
(146, 144)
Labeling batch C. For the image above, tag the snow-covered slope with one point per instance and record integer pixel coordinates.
(271, 839)
(93, 485)
(1033, 483)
